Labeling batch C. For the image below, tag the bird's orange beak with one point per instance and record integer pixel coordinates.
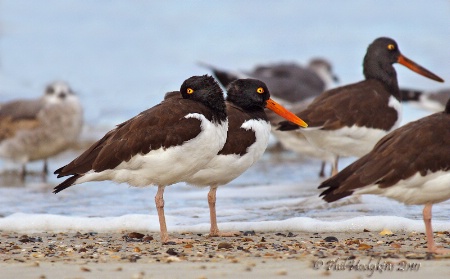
(417, 68)
(286, 114)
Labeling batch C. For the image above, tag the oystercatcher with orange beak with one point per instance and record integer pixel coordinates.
(349, 120)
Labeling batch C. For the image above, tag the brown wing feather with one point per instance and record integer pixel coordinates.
(239, 139)
(161, 126)
(356, 104)
(9, 126)
(18, 115)
(420, 146)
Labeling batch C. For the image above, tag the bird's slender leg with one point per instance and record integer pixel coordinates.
(334, 169)
(429, 231)
(23, 173)
(214, 230)
(322, 169)
(159, 202)
(45, 169)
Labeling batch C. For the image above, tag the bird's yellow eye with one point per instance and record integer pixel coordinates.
(190, 90)
(260, 90)
(391, 47)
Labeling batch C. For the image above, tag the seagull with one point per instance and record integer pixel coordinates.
(289, 83)
(37, 129)
(349, 120)
(160, 146)
(410, 164)
(430, 100)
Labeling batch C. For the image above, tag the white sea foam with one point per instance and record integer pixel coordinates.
(21, 222)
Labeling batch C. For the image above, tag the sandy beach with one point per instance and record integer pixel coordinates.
(262, 255)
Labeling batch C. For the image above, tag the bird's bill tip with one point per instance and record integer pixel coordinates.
(286, 114)
(417, 68)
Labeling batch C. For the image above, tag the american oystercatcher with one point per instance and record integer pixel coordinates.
(36, 129)
(247, 139)
(410, 164)
(349, 120)
(161, 146)
(289, 82)
(292, 85)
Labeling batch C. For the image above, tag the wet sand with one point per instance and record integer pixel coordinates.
(262, 255)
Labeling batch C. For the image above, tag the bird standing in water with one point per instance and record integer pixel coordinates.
(37, 129)
(349, 120)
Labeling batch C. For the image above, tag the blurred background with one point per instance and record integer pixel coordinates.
(122, 56)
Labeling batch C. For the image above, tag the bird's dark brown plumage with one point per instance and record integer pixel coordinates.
(161, 126)
(421, 146)
(240, 139)
(359, 106)
(366, 103)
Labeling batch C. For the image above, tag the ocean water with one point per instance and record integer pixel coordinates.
(121, 57)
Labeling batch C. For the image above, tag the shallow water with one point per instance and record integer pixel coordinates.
(121, 57)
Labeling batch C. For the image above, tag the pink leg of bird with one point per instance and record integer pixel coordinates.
(334, 168)
(159, 201)
(214, 231)
(322, 169)
(429, 231)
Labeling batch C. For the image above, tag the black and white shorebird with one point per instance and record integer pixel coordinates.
(161, 146)
(37, 129)
(410, 164)
(430, 100)
(247, 139)
(292, 85)
(348, 121)
(289, 83)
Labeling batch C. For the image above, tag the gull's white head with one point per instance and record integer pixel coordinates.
(59, 92)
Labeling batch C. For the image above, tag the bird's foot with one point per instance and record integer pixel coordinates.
(224, 234)
(439, 250)
(173, 241)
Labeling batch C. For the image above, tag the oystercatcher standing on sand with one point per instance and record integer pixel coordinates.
(410, 164)
(161, 146)
(247, 139)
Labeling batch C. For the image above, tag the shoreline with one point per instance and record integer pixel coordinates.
(263, 254)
